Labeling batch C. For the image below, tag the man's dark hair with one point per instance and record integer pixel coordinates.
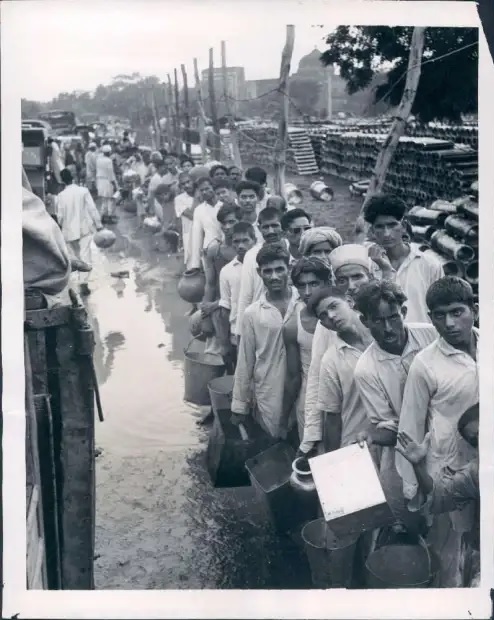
(230, 168)
(225, 211)
(186, 158)
(217, 167)
(244, 227)
(370, 295)
(291, 215)
(271, 252)
(220, 183)
(66, 176)
(269, 213)
(256, 174)
(280, 199)
(311, 265)
(323, 293)
(384, 204)
(202, 180)
(248, 185)
(449, 290)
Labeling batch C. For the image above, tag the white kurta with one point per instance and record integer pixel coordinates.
(105, 176)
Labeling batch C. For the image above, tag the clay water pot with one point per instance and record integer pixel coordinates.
(191, 285)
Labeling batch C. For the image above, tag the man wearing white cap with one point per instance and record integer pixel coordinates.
(106, 184)
(352, 268)
(90, 162)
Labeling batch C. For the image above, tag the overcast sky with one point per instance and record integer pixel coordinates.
(73, 45)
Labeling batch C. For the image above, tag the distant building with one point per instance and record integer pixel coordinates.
(235, 78)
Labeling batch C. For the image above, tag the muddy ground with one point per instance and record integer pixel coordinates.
(160, 524)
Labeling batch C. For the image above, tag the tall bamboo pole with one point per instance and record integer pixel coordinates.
(232, 126)
(202, 115)
(178, 148)
(214, 113)
(282, 142)
(187, 110)
(173, 143)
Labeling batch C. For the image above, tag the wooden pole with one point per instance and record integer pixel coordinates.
(282, 142)
(404, 110)
(157, 127)
(202, 115)
(177, 115)
(187, 110)
(237, 159)
(214, 113)
(173, 142)
(168, 127)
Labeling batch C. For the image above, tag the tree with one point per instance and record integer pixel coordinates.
(449, 80)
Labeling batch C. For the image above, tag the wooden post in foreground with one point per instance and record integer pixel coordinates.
(187, 110)
(282, 142)
(178, 148)
(402, 114)
(202, 115)
(214, 113)
(233, 129)
(168, 127)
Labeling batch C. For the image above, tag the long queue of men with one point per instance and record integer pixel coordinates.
(334, 343)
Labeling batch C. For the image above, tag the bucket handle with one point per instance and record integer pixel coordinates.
(186, 350)
(427, 551)
(243, 432)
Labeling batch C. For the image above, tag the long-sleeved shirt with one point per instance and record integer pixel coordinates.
(230, 277)
(77, 213)
(415, 275)
(313, 421)
(261, 365)
(442, 383)
(205, 228)
(251, 285)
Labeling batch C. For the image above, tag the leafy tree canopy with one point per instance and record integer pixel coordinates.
(448, 85)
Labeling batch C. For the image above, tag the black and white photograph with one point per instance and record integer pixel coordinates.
(248, 307)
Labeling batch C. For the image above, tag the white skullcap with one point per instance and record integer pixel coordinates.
(350, 254)
(106, 149)
(93, 145)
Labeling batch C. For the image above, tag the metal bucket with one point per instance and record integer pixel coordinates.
(199, 369)
(331, 558)
(321, 191)
(220, 392)
(293, 194)
(270, 473)
(472, 273)
(401, 566)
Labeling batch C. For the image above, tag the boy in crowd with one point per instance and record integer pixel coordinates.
(320, 242)
(218, 171)
(251, 285)
(248, 193)
(224, 192)
(235, 175)
(258, 175)
(184, 209)
(186, 163)
(308, 276)
(451, 489)
(382, 371)
(351, 268)
(205, 225)
(243, 239)
(277, 202)
(261, 366)
(415, 270)
(294, 223)
(338, 401)
(442, 383)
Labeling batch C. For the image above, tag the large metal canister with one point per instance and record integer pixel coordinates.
(459, 226)
(444, 244)
(444, 206)
(472, 273)
(450, 267)
(321, 191)
(426, 217)
(293, 195)
(422, 233)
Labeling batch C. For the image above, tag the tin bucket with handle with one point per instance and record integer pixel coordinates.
(220, 392)
(331, 557)
(399, 565)
(321, 191)
(199, 369)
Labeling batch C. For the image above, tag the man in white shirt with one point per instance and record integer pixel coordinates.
(442, 383)
(258, 175)
(294, 223)
(184, 209)
(205, 225)
(381, 374)
(78, 218)
(243, 239)
(415, 270)
(261, 366)
(90, 162)
(248, 196)
(251, 285)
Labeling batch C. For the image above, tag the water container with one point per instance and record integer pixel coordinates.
(472, 273)
(191, 285)
(321, 191)
(293, 194)
(199, 369)
(444, 244)
(422, 233)
(459, 226)
(220, 392)
(426, 217)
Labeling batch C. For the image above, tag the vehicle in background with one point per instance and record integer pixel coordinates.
(39, 124)
(35, 159)
(62, 121)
